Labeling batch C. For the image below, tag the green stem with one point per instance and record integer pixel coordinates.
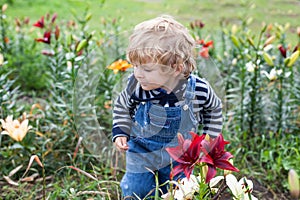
(253, 94)
(280, 89)
(280, 101)
(156, 197)
(243, 74)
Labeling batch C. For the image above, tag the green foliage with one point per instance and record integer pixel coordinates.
(261, 99)
(67, 91)
(18, 48)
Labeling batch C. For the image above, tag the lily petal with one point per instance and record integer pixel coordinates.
(212, 171)
(233, 185)
(4, 133)
(214, 181)
(224, 164)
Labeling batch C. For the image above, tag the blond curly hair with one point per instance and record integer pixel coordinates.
(164, 41)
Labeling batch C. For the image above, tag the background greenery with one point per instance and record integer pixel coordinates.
(261, 115)
(211, 12)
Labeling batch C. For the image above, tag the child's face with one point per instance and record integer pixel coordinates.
(152, 76)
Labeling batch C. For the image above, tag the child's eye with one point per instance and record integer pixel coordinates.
(147, 70)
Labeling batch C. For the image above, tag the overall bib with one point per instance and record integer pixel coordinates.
(154, 128)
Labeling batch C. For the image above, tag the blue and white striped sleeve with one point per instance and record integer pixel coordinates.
(212, 117)
(121, 111)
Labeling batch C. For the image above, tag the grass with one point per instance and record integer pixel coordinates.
(211, 12)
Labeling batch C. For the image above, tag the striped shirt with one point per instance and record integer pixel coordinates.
(207, 107)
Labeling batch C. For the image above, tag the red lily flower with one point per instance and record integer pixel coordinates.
(40, 23)
(282, 50)
(46, 39)
(204, 52)
(215, 156)
(187, 154)
(206, 44)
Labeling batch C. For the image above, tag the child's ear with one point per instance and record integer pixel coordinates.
(178, 69)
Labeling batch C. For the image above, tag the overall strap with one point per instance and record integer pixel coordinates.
(190, 90)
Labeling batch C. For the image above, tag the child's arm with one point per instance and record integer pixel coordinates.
(121, 112)
(212, 112)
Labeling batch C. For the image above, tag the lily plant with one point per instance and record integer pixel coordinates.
(202, 155)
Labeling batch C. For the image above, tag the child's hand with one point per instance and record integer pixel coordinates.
(121, 143)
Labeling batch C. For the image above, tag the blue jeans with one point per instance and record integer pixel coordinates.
(144, 184)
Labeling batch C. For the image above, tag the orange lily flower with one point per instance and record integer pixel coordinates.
(204, 52)
(119, 65)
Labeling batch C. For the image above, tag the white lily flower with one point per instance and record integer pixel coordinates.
(186, 188)
(238, 188)
(273, 74)
(287, 74)
(250, 67)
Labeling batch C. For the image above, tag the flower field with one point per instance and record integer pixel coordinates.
(59, 80)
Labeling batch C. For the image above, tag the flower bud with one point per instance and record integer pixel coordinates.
(88, 17)
(269, 40)
(69, 39)
(57, 32)
(234, 62)
(249, 20)
(192, 26)
(251, 42)
(286, 61)
(282, 50)
(53, 18)
(83, 43)
(264, 25)
(268, 59)
(234, 29)
(1, 59)
(294, 186)
(235, 41)
(269, 27)
(293, 58)
(287, 26)
(4, 7)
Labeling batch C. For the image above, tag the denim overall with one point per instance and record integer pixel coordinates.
(155, 128)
